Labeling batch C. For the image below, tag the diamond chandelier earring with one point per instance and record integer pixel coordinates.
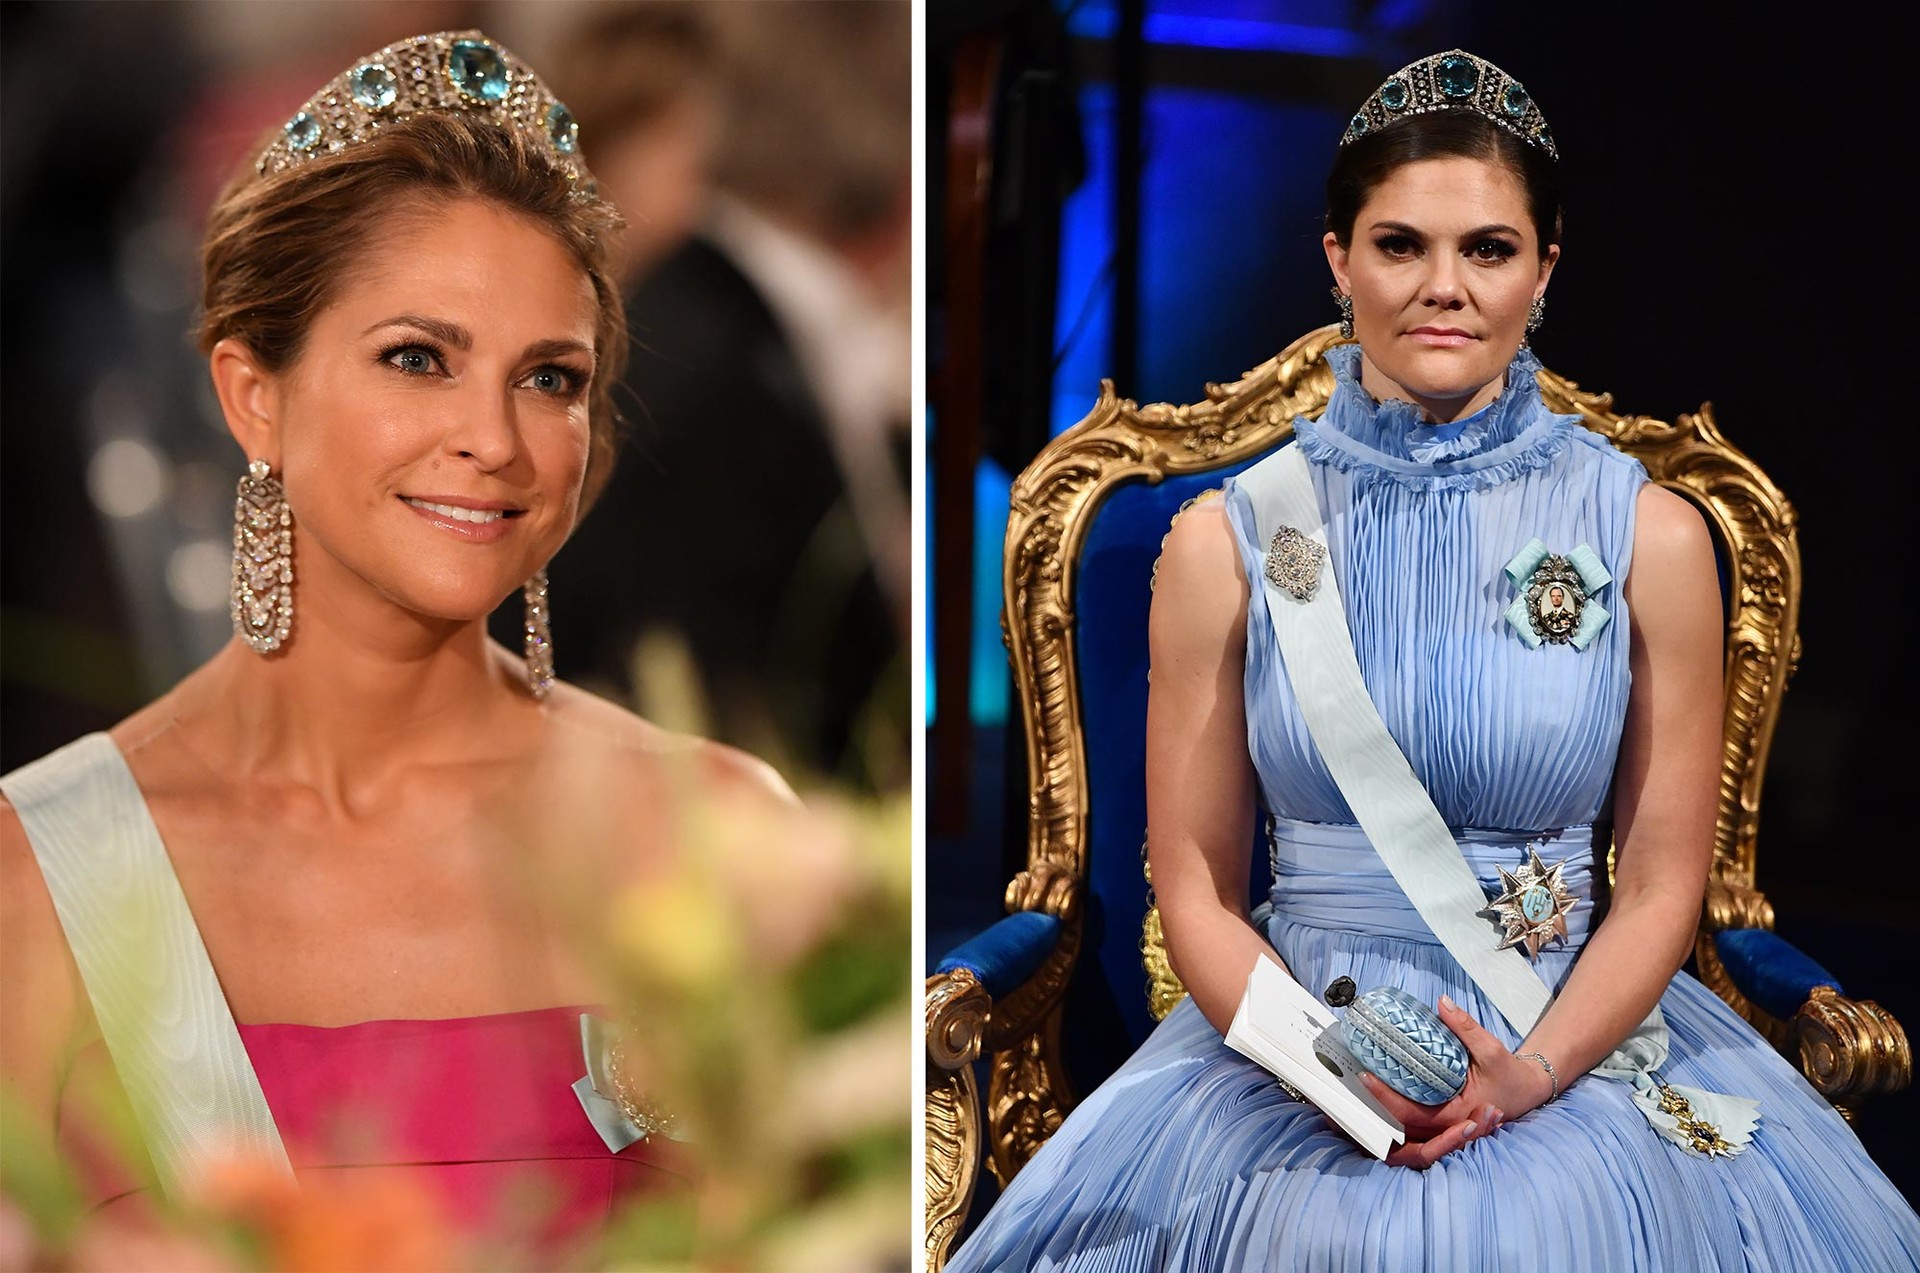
(1536, 315)
(1345, 303)
(262, 601)
(538, 643)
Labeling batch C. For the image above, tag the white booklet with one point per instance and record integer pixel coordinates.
(1284, 1028)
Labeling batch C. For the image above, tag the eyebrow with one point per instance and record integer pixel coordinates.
(460, 338)
(1402, 227)
(555, 348)
(439, 328)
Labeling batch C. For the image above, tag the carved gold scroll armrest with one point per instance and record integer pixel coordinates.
(1849, 1049)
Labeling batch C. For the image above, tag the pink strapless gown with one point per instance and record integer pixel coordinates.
(476, 1116)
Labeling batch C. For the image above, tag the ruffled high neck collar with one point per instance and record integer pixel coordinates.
(1510, 435)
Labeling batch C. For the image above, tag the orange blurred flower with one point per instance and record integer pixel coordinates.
(333, 1221)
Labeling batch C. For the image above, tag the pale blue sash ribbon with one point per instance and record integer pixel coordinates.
(164, 1018)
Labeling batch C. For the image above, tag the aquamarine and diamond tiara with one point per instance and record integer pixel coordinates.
(444, 72)
(1454, 80)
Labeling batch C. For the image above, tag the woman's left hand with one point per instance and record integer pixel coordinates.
(1499, 1086)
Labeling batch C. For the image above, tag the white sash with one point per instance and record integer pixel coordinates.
(161, 1011)
(1396, 812)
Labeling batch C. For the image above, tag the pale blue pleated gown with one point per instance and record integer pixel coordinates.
(1191, 1157)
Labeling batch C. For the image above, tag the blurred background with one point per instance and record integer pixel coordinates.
(761, 153)
(1152, 213)
(745, 575)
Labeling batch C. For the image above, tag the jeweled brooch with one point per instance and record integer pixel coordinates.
(1555, 599)
(1293, 562)
(618, 1111)
(1556, 595)
(1535, 904)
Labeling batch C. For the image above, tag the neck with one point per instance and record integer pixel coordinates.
(347, 708)
(1433, 410)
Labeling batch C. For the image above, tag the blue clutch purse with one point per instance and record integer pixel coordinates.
(1405, 1045)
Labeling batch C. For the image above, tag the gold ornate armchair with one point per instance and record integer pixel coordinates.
(1055, 995)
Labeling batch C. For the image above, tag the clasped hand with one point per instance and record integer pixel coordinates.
(1499, 1086)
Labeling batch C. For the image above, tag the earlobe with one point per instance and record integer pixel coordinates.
(246, 392)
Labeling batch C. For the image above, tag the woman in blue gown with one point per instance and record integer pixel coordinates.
(1435, 465)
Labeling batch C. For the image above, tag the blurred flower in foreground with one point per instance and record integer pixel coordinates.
(768, 970)
(240, 1217)
(332, 1222)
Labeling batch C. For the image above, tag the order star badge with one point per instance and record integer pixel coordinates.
(1535, 904)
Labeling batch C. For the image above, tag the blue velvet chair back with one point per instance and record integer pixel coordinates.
(1108, 1005)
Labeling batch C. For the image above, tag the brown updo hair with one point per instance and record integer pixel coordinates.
(277, 247)
(1365, 162)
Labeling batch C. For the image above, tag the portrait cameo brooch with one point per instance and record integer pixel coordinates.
(1556, 602)
(1555, 598)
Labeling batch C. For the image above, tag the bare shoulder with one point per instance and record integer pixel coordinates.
(1199, 589)
(43, 1005)
(641, 750)
(1674, 584)
(1669, 531)
(1199, 547)
(20, 880)
(27, 917)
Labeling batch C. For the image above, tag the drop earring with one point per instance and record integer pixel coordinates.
(1536, 314)
(538, 643)
(262, 600)
(1345, 303)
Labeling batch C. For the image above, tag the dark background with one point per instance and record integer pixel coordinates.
(1736, 195)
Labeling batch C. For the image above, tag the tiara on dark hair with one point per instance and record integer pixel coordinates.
(1454, 80)
(446, 73)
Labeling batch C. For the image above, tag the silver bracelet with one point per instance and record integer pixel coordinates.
(1552, 1076)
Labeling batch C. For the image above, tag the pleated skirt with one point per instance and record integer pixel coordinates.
(1191, 1157)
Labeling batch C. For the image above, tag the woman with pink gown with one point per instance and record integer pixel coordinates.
(315, 915)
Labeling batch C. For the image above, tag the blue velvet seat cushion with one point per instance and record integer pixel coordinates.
(1005, 955)
(1770, 970)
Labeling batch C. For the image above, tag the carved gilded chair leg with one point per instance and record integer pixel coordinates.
(953, 1158)
(958, 1011)
(1027, 1098)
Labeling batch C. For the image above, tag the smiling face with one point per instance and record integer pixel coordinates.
(433, 431)
(1443, 265)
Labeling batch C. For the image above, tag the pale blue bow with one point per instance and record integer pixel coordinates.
(1593, 577)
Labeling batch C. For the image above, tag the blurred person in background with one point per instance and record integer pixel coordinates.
(645, 77)
(766, 152)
